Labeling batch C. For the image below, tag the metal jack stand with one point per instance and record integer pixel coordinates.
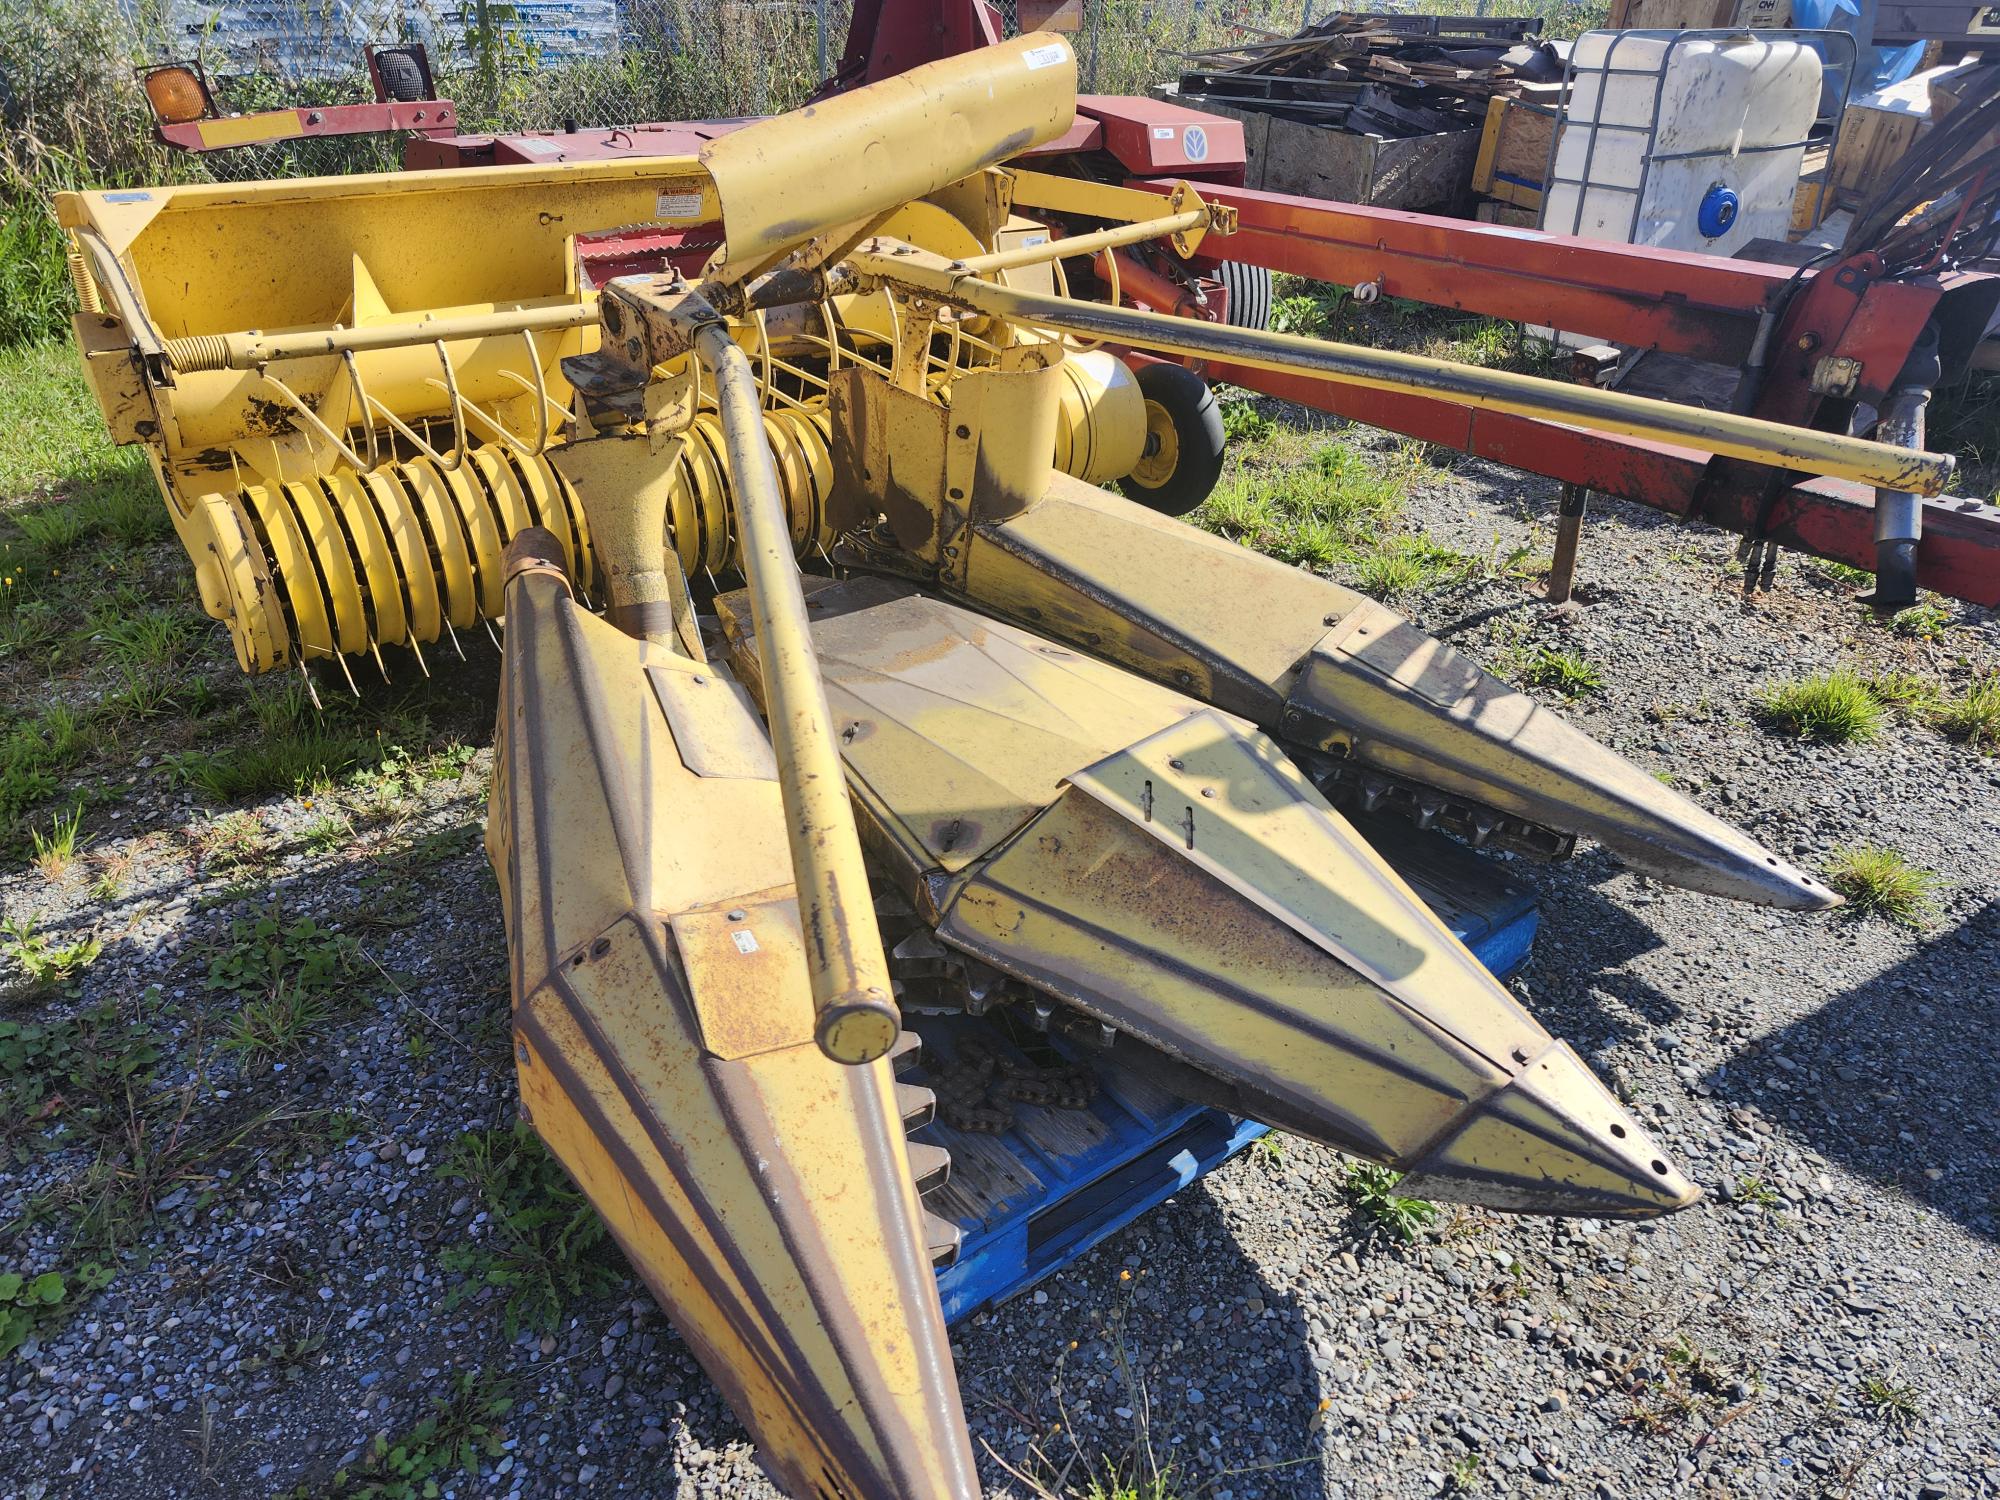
(1569, 531)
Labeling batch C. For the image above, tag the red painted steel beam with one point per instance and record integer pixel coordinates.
(271, 125)
(1959, 555)
(1699, 305)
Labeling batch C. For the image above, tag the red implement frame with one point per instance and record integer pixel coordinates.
(1705, 307)
(428, 116)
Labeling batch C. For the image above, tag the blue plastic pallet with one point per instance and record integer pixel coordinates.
(1032, 1200)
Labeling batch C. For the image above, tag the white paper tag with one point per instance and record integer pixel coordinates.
(1044, 57)
(746, 942)
(678, 205)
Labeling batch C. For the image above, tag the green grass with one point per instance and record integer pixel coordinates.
(56, 443)
(289, 979)
(1972, 716)
(1877, 881)
(1325, 507)
(1835, 708)
(1410, 564)
(1373, 1190)
(1909, 693)
(546, 1248)
(1565, 672)
(56, 850)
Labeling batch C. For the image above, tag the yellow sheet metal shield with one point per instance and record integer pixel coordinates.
(666, 1053)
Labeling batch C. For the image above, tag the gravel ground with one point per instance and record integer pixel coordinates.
(1822, 1323)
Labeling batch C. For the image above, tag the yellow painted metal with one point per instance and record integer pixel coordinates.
(1102, 426)
(1331, 669)
(857, 1019)
(895, 141)
(664, 1044)
(1177, 225)
(1168, 871)
(251, 129)
(1590, 407)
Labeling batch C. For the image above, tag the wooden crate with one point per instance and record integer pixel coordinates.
(1811, 189)
(1697, 15)
(1512, 215)
(1514, 151)
(1317, 161)
(1876, 132)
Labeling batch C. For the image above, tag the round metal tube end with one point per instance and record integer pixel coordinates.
(858, 1027)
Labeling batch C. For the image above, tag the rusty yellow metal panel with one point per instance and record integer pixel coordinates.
(667, 1055)
(1499, 1153)
(964, 727)
(1167, 870)
(897, 140)
(746, 974)
(1324, 666)
(1154, 595)
(1402, 700)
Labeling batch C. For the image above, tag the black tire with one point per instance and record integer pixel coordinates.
(1249, 289)
(1184, 442)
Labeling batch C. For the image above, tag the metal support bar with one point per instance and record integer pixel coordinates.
(1701, 305)
(1569, 533)
(857, 1019)
(1088, 244)
(248, 350)
(1770, 443)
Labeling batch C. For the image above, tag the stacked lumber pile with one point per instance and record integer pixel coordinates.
(1386, 75)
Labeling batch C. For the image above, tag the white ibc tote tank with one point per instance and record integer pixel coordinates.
(1688, 140)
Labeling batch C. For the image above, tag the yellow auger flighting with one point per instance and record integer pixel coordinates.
(832, 460)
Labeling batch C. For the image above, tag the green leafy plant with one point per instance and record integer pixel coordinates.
(31, 1307)
(75, 1071)
(464, 1426)
(547, 1248)
(1928, 621)
(1877, 881)
(1373, 1189)
(1891, 1400)
(1756, 1192)
(48, 965)
(1834, 708)
(291, 979)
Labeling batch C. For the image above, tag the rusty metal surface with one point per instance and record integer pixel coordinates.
(762, 1190)
(1167, 870)
(1382, 690)
(960, 728)
(900, 139)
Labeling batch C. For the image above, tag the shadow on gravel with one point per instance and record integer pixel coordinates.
(1228, 1400)
(1895, 1079)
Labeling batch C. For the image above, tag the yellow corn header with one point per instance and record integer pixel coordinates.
(831, 464)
